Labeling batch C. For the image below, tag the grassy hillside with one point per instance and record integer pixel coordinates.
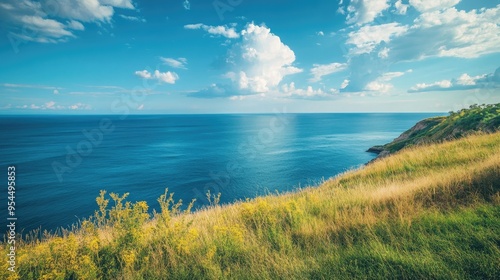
(428, 212)
(485, 118)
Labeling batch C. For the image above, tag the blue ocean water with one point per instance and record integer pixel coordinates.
(63, 161)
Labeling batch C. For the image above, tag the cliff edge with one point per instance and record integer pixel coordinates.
(477, 118)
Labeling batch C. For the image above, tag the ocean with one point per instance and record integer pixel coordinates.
(62, 162)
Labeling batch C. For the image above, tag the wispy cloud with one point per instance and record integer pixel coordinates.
(318, 70)
(186, 4)
(31, 86)
(132, 18)
(176, 63)
(55, 21)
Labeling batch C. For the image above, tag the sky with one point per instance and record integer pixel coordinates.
(242, 56)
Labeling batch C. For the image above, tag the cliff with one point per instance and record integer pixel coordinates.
(477, 118)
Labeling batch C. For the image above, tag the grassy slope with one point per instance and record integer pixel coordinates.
(484, 118)
(427, 212)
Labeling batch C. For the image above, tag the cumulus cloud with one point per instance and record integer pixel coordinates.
(443, 32)
(143, 74)
(228, 32)
(450, 33)
(427, 6)
(365, 11)
(165, 77)
(257, 64)
(176, 63)
(463, 82)
(260, 60)
(54, 21)
(318, 70)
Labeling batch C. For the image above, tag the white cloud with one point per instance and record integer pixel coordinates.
(365, 11)
(378, 87)
(381, 83)
(176, 63)
(391, 75)
(368, 37)
(290, 91)
(427, 6)
(261, 60)
(463, 82)
(228, 32)
(258, 62)
(400, 7)
(344, 84)
(75, 25)
(193, 26)
(143, 74)
(450, 33)
(51, 105)
(132, 18)
(320, 33)
(49, 27)
(80, 106)
(126, 4)
(444, 84)
(318, 71)
(140, 107)
(42, 21)
(86, 11)
(438, 33)
(466, 80)
(56, 91)
(165, 77)
(186, 4)
(384, 53)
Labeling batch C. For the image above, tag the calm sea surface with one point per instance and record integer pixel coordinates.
(63, 161)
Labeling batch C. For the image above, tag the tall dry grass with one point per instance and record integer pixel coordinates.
(426, 212)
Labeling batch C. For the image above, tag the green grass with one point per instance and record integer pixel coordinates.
(484, 118)
(430, 212)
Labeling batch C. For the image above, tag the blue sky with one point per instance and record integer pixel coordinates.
(242, 56)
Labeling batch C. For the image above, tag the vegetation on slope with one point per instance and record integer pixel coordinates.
(428, 212)
(485, 118)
